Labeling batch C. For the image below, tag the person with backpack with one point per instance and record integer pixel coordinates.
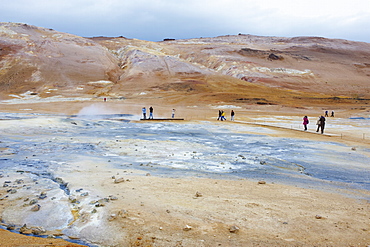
(305, 122)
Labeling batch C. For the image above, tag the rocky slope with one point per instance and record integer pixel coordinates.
(239, 69)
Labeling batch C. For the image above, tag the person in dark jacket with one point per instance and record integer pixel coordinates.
(321, 124)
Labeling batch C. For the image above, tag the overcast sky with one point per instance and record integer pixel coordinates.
(158, 19)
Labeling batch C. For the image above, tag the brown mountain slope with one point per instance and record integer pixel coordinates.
(239, 69)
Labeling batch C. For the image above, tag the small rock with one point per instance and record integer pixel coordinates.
(187, 228)
(318, 216)
(72, 199)
(148, 174)
(33, 201)
(12, 191)
(73, 237)
(198, 194)
(119, 180)
(10, 227)
(261, 182)
(19, 181)
(113, 198)
(23, 229)
(123, 213)
(38, 230)
(354, 149)
(42, 195)
(85, 194)
(36, 207)
(234, 229)
(112, 217)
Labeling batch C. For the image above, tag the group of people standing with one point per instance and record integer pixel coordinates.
(221, 115)
(151, 113)
(320, 123)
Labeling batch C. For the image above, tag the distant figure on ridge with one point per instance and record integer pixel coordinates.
(305, 122)
(150, 112)
(332, 113)
(173, 113)
(144, 112)
(232, 115)
(326, 114)
(219, 114)
(321, 124)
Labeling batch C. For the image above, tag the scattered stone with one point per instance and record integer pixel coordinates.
(19, 181)
(72, 199)
(119, 180)
(112, 217)
(73, 237)
(10, 227)
(42, 195)
(168, 211)
(12, 191)
(234, 229)
(354, 149)
(198, 194)
(24, 229)
(123, 213)
(113, 177)
(187, 228)
(318, 217)
(38, 230)
(148, 174)
(261, 182)
(85, 194)
(33, 201)
(94, 211)
(113, 198)
(36, 207)
(79, 190)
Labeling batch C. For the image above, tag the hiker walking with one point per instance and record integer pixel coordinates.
(150, 112)
(332, 113)
(223, 116)
(232, 115)
(219, 115)
(326, 114)
(144, 112)
(321, 124)
(305, 122)
(173, 113)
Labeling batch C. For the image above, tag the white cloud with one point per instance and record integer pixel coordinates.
(158, 19)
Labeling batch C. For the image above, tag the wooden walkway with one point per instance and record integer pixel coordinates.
(162, 119)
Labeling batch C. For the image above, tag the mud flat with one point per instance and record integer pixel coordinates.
(108, 182)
